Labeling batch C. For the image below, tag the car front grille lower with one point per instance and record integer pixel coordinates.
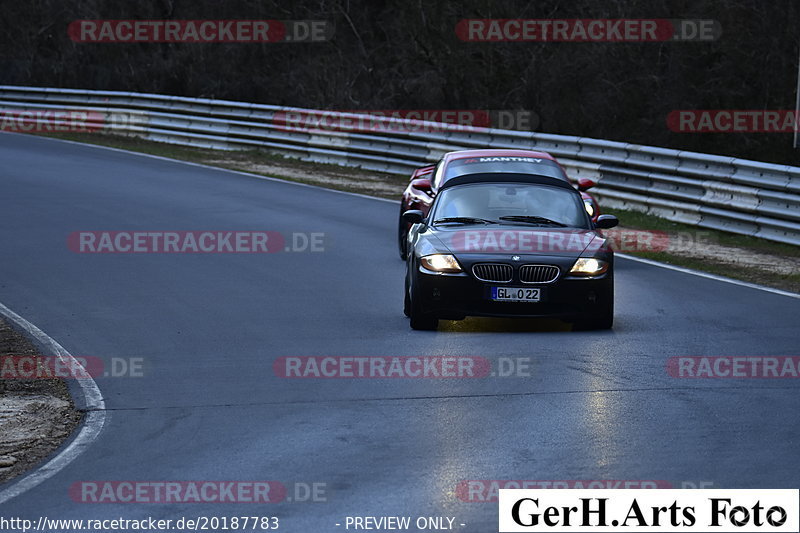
(538, 273)
(496, 272)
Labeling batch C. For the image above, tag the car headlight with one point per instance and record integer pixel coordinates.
(589, 207)
(441, 263)
(589, 266)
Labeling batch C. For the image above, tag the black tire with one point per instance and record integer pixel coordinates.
(402, 236)
(602, 320)
(406, 301)
(423, 323)
(420, 320)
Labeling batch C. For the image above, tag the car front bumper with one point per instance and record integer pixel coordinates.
(457, 296)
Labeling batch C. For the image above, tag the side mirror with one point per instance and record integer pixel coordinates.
(607, 221)
(413, 216)
(584, 184)
(422, 184)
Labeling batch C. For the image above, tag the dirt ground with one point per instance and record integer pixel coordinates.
(36, 415)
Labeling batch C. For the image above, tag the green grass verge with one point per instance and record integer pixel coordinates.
(637, 220)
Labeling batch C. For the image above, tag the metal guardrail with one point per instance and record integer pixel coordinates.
(724, 193)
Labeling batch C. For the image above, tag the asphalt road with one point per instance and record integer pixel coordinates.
(591, 406)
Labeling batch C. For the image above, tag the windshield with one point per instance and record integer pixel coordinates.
(495, 164)
(511, 203)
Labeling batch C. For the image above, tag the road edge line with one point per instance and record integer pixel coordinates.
(708, 275)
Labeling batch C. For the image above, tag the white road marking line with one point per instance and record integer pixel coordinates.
(708, 276)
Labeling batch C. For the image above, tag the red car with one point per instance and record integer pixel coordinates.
(426, 181)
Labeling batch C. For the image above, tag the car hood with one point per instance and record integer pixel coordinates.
(514, 239)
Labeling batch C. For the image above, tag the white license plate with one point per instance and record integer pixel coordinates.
(516, 294)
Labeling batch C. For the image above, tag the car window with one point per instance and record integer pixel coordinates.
(498, 164)
(494, 200)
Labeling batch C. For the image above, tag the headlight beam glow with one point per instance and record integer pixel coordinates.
(589, 266)
(441, 263)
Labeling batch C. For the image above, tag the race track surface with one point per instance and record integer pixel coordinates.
(591, 405)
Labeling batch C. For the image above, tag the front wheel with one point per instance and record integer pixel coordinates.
(604, 319)
(420, 320)
(402, 236)
(406, 301)
(423, 322)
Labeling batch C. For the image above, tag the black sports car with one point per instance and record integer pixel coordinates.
(509, 245)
